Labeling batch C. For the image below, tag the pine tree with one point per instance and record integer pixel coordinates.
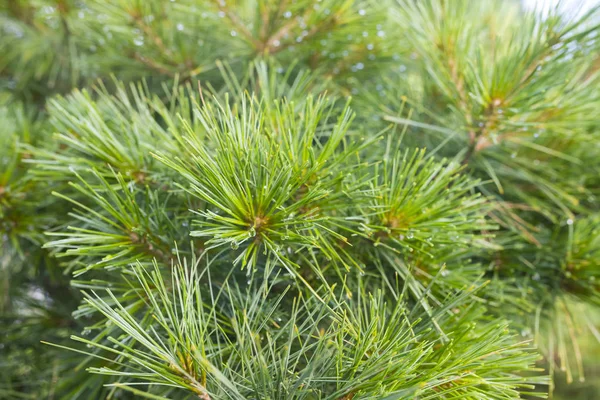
(309, 199)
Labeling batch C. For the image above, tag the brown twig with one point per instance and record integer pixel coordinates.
(149, 32)
(271, 47)
(153, 64)
(238, 24)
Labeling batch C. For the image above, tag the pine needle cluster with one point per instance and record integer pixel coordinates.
(331, 199)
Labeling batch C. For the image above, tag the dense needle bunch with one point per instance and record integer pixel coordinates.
(309, 199)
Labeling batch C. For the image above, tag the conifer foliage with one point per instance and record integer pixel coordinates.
(308, 199)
